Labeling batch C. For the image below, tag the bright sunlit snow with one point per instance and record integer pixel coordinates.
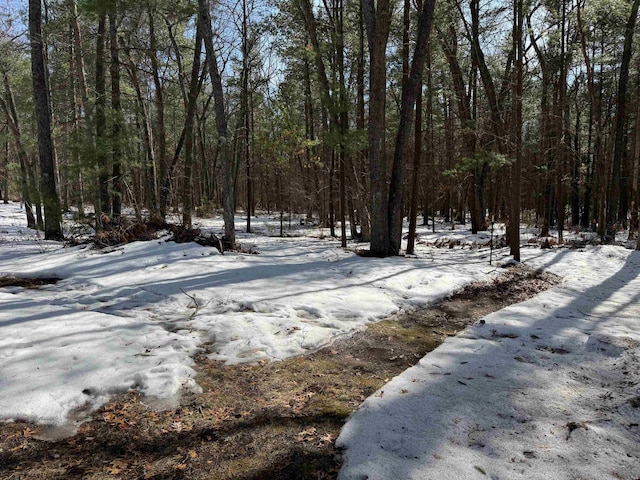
(545, 389)
(548, 388)
(131, 317)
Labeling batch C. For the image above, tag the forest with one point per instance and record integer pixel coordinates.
(356, 114)
(456, 294)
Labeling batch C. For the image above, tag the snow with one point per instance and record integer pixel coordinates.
(543, 389)
(133, 316)
(548, 388)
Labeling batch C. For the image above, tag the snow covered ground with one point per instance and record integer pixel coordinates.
(131, 317)
(549, 388)
(545, 389)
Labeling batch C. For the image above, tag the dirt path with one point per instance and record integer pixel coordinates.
(274, 420)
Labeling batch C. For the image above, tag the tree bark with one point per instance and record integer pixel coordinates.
(194, 90)
(53, 214)
(160, 134)
(80, 73)
(377, 16)
(514, 218)
(13, 123)
(116, 125)
(408, 102)
(101, 120)
(221, 126)
(615, 185)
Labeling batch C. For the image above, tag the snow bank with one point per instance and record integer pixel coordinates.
(544, 389)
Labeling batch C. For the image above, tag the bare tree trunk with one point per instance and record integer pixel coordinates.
(377, 17)
(575, 176)
(365, 215)
(408, 102)
(161, 135)
(53, 215)
(12, 121)
(87, 106)
(101, 119)
(415, 180)
(194, 90)
(147, 140)
(514, 220)
(596, 110)
(116, 127)
(615, 186)
(246, 113)
(634, 226)
(221, 125)
(561, 137)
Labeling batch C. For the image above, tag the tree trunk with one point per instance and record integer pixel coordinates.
(415, 179)
(12, 121)
(246, 112)
(147, 140)
(101, 120)
(116, 125)
(598, 161)
(160, 134)
(194, 90)
(377, 20)
(409, 95)
(221, 126)
(514, 218)
(615, 184)
(87, 107)
(562, 130)
(53, 215)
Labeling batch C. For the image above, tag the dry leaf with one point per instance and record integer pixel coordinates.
(193, 453)
(28, 432)
(303, 435)
(327, 438)
(116, 467)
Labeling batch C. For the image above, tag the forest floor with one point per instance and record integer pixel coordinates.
(271, 420)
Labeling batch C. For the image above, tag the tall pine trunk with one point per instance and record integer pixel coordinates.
(52, 212)
(226, 158)
(615, 188)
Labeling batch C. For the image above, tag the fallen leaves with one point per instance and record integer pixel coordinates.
(311, 435)
(119, 415)
(25, 433)
(117, 466)
(306, 434)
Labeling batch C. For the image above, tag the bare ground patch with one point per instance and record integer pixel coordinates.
(10, 281)
(275, 420)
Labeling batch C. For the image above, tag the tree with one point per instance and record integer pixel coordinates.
(116, 125)
(377, 18)
(104, 207)
(514, 220)
(617, 185)
(53, 214)
(194, 89)
(409, 95)
(8, 106)
(221, 125)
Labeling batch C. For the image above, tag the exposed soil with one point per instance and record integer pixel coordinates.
(26, 282)
(275, 420)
